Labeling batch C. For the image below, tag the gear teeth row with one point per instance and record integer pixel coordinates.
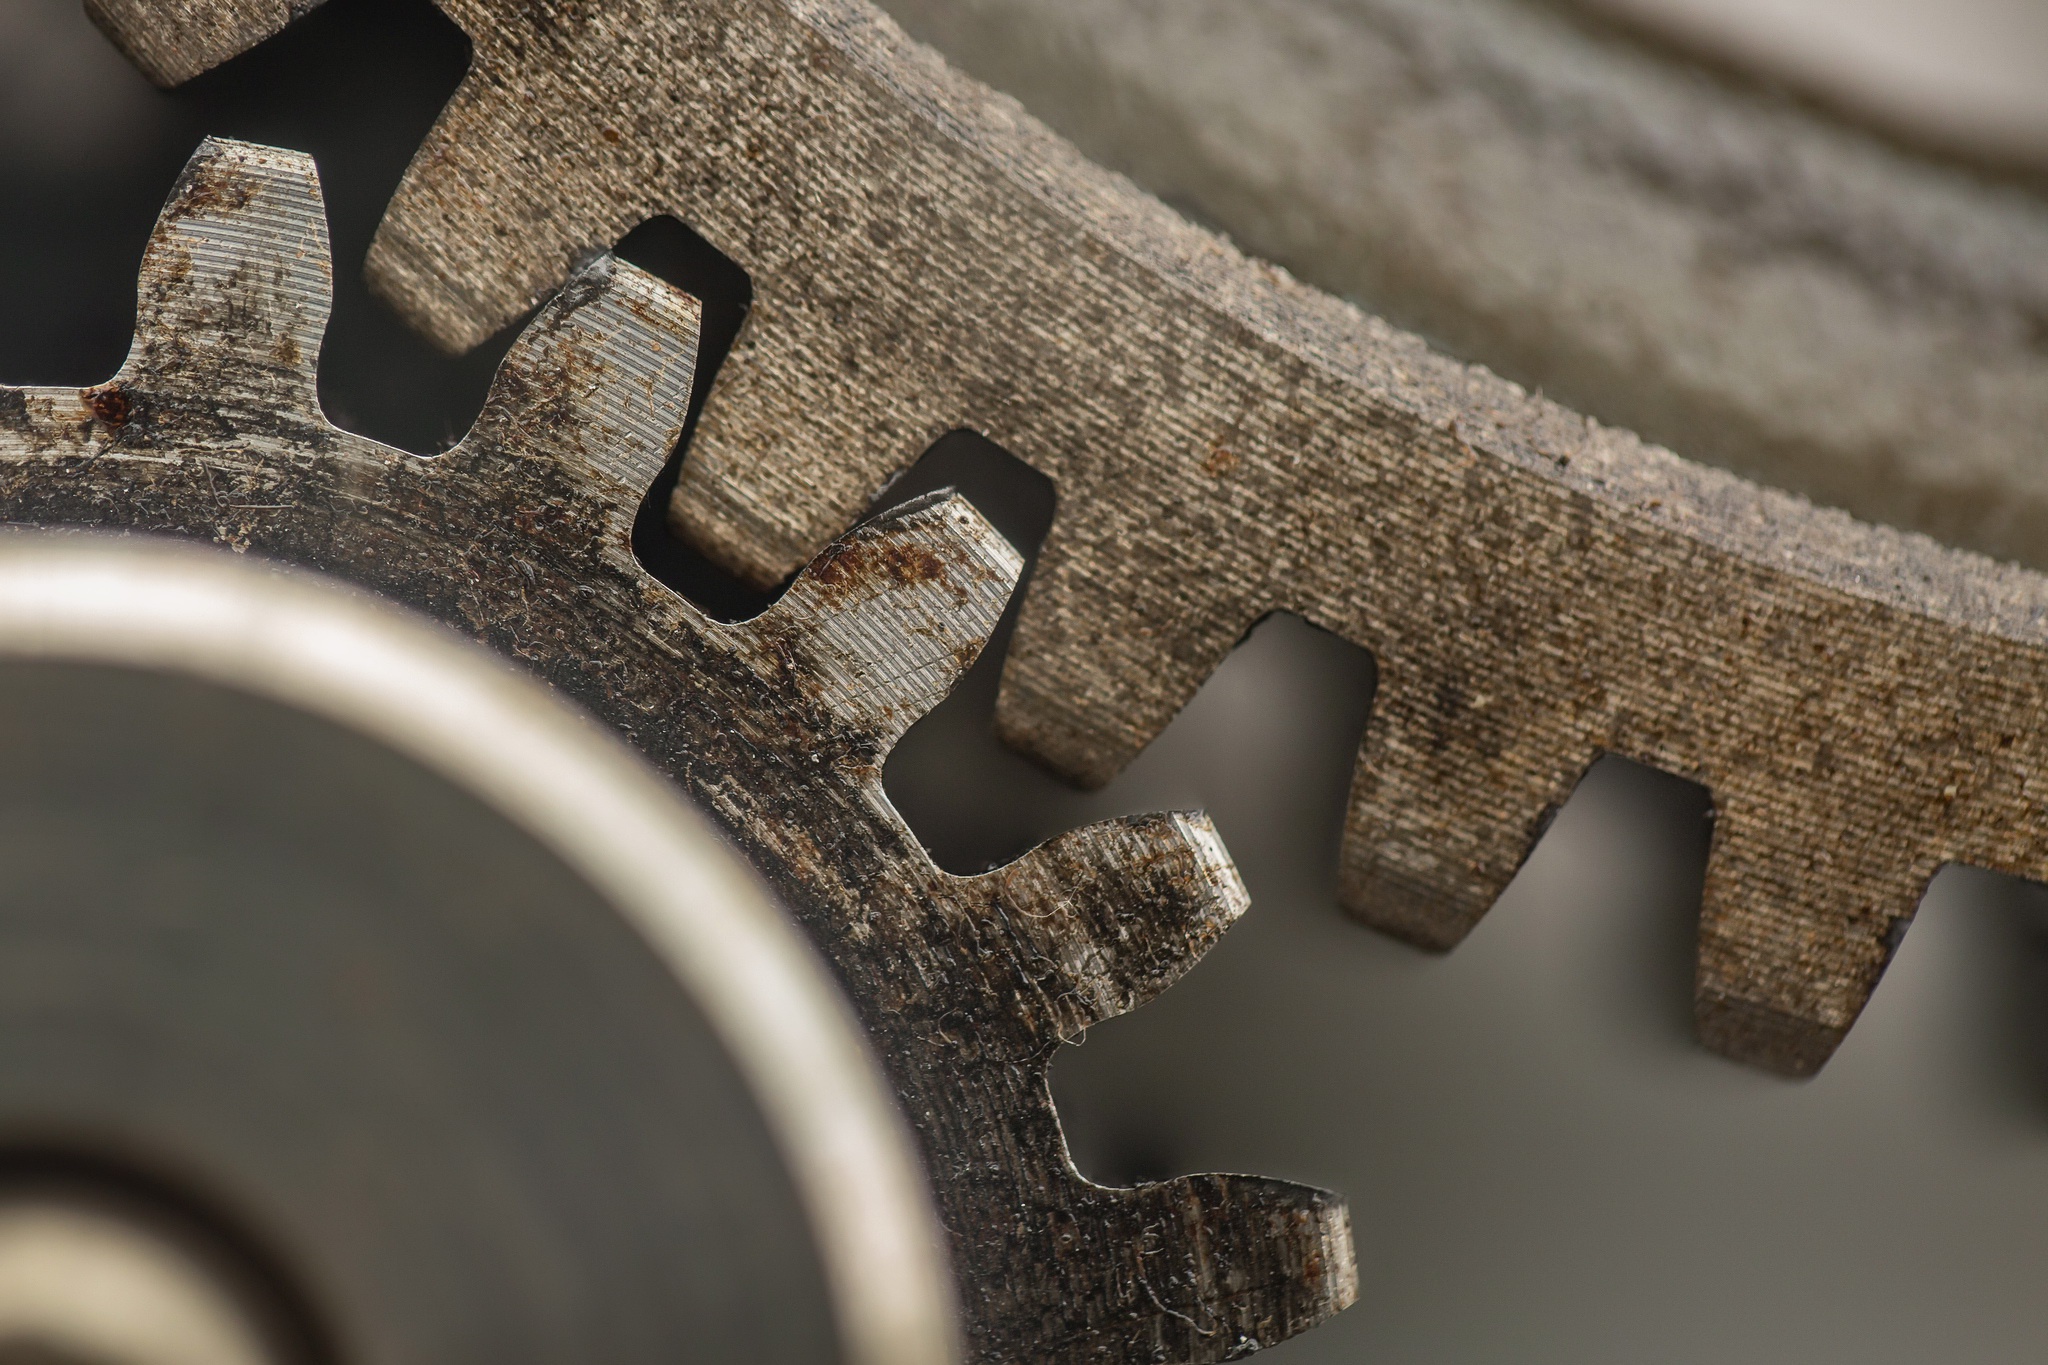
(1536, 590)
(778, 727)
(1084, 927)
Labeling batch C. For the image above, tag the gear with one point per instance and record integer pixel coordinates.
(520, 536)
(1536, 590)
(363, 1000)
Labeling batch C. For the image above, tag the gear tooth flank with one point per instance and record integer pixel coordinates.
(236, 282)
(1258, 1261)
(891, 614)
(1113, 914)
(598, 382)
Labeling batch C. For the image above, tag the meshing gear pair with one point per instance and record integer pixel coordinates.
(777, 728)
(1536, 589)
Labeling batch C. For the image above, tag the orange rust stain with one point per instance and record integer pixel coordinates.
(109, 404)
(844, 566)
(1220, 462)
(215, 192)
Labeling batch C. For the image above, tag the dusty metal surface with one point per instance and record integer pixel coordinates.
(777, 727)
(1663, 247)
(1536, 588)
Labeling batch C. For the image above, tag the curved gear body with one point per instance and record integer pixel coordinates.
(777, 727)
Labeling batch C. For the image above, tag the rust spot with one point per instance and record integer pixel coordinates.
(286, 352)
(110, 404)
(1220, 462)
(217, 190)
(610, 135)
(846, 565)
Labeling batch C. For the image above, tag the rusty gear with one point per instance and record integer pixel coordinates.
(778, 727)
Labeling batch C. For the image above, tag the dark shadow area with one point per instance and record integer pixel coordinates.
(676, 253)
(1660, 827)
(357, 84)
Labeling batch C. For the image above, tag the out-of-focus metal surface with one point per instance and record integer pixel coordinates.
(85, 1282)
(410, 972)
(1957, 76)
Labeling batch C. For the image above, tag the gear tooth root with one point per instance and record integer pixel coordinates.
(599, 381)
(1108, 916)
(890, 615)
(236, 283)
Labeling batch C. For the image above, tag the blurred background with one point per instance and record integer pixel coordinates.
(1807, 240)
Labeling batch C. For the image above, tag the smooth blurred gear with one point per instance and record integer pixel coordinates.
(86, 1281)
(383, 961)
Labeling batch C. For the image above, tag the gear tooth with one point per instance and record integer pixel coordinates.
(599, 382)
(173, 43)
(236, 281)
(1113, 914)
(1248, 1262)
(890, 615)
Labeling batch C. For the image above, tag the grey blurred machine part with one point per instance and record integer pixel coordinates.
(85, 1280)
(360, 999)
(1666, 246)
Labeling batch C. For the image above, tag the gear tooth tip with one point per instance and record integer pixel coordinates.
(891, 614)
(1213, 862)
(1120, 910)
(1278, 1256)
(962, 522)
(600, 380)
(236, 282)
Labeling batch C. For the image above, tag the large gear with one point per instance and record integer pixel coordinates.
(778, 727)
(1536, 589)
